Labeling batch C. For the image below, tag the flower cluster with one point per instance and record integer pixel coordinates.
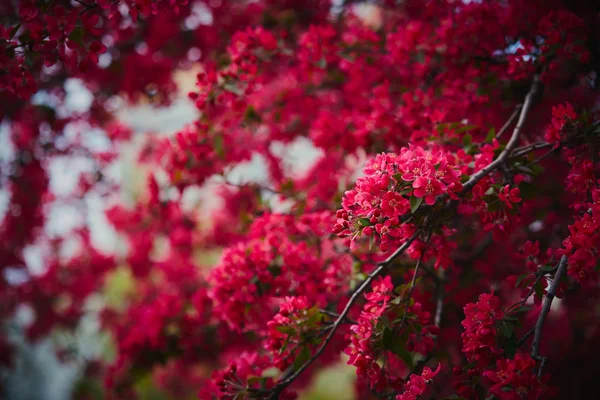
(70, 35)
(373, 340)
(515, 379)
(563, 119)
(561, 39)
(250, 50)
(564, 37)
(480, 336)
(583, 242)
(394, 185)
(242, 369)
(417, 384)
(190, 157)
(283, 256)
(291, 329)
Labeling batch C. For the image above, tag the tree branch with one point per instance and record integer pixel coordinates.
(537, 336)
(439, 308)
(509, 121)
(413, 282)
(276, 390)
(514, 139)
(280, 387)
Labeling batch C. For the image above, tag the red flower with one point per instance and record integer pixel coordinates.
(510, 196)
(429, 188)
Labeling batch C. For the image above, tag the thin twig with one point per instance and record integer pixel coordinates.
(542, 157)
(539, 276)
(277, 389)
(413, 282)
(336, 315)
(514, 139)
(526, 336)
(509, 122)
(520, 151)
(84, 4)
(537, 336)
(439, 308)
(537, 280)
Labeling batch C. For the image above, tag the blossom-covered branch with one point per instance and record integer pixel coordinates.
(417, 169)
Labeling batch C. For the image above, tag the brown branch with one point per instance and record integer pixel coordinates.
(537, 336)
(276, 390)
(509, 122)
(413, 282)
(521, 151)
(439, 308)
(539, 276)
(336, 316)
(536, 86)
(514, 139)
(526, 336)
(280, 387)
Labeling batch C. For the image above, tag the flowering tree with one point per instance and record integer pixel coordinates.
(444, 242)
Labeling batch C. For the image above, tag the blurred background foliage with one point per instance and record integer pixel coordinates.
(55, 368)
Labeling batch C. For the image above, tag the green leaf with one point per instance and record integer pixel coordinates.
(404, 354)
(400, 289)
(467, 140)
(537, 169)
(406, 191)
(539, 290)
(301, 358)
(465, 128)
(89, 388)
(287, 186)
(520, 279)
(527, 190)
(13, 31)
(415, 202)
(420, 57)
(583, 117)
(388, 339)
(506, 329)
(288, 330)
(218, 146)
(315, 317)
(272, 372)
(521, 310)
(546, 268)
(364, 222)
(76, 35)
(510, 346)
(253, 380)
(490, 135)
(493, 207)
(470, 365)
(384, 321)
(250, 115)
(233, 88)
